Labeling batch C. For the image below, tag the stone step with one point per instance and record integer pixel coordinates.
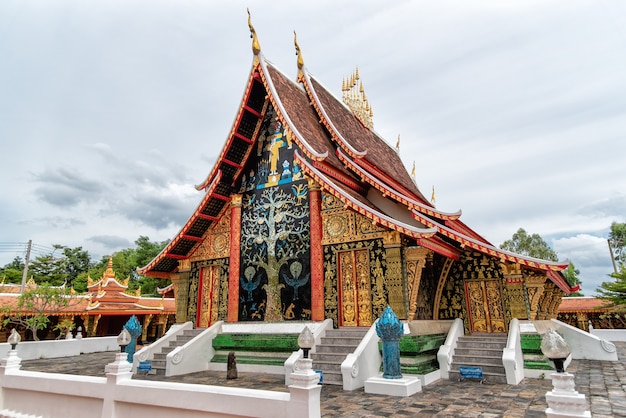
(347, 332)
(327, 366)
(480, 344)
(350, 341)
(487, 368)
(496, 361)
(332, 378)
(329, 357)
(473, 351)
(335, 349)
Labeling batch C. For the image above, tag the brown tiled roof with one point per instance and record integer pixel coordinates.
(379, 153)
(582, 304)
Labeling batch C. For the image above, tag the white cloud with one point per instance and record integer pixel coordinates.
(512, 110)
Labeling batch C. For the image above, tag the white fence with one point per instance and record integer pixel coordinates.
(32, 350)
(37, 394)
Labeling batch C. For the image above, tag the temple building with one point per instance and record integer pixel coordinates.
(309, 214)
(101, 311)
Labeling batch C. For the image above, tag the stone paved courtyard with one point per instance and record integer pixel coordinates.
(603, 383)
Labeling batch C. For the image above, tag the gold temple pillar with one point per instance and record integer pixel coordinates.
(144, 329)
(415, 262)
(535, 286)
(94, 325)
(180, 282)
(514, 284)
(394, 279)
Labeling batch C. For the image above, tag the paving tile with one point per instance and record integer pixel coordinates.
(602, 383)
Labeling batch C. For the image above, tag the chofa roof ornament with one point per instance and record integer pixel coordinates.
(256, 46)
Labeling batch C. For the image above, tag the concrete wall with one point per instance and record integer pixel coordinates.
(119, 396)
(32, 350)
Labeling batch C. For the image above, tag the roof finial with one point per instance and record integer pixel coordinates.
(298, 52)
(353, 95)
(398, 144)
(432, 196)
(413, 171)
(256, 47)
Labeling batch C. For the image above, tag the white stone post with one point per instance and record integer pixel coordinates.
(564, 400)
(305, 390)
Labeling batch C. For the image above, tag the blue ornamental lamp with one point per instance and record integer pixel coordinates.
(390, 330)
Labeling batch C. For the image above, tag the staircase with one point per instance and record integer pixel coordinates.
(158, 362)
(480, 350)
(332, 351)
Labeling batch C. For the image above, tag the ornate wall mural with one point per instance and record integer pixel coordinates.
(275, 238)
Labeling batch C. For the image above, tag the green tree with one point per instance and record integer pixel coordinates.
(34, 307)
(529, 245)
(48, 269)
(535, 246)
(125, 264)
(617, 238)
(12, 272)
(614, 291)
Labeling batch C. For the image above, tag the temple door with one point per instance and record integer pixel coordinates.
(209, 284)
(354, 288)
(484, 304)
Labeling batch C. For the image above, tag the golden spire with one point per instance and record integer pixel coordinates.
(298, 52)
(353, 95)
(398, 144)
(432, 196)
(256, 47)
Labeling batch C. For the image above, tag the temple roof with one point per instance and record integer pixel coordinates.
(349, 160)
(583, 304)
(106, 296)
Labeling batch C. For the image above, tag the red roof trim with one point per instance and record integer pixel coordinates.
(440, 247)
(489, 249)
(375, 216)
(387, 190)
(233, 129)
(166, 251)
(284, 116)
(243, 138)
(231, 163)
(192, 238)
(325, 120)
(350, 182)
(371, 168)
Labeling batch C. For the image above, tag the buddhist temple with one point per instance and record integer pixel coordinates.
(309, 214)
(104, 309)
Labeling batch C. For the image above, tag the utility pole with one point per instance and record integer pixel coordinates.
(25, 273)
(612, 255)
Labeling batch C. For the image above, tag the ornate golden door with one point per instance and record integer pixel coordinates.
(207, 303)
(354, 288)
(484, 303)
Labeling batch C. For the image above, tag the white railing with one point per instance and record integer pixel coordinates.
(363, 363)
(582, 344)
(148, 351)
(118, 395)
(608, 334)
(512, 355)
(195, 355)
(32, 350)
(446, 351)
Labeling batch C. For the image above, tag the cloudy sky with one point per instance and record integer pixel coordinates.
(111, 111)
